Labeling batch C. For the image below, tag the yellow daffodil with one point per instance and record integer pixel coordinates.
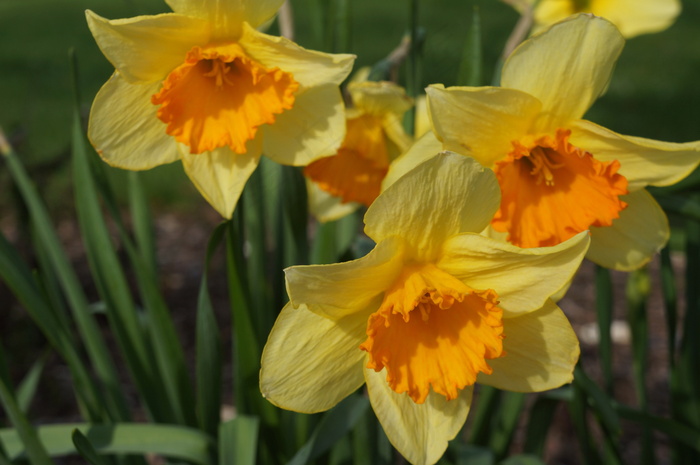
(560, 174)
(632, 17)
(374, 138)
(202, 85)
(432, 309)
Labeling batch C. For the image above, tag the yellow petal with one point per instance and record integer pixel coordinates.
(422, 121)
(420, 432)
(221, 174)
(541, 352)
(642, 161)
(341, 289)
(311, 363)
(225, 17)
(313, 128)
(326, 207)
(631, 241)
(566, 67)
(379, 98)
(480, 121)
(634, 17)
(147, 48)
(446, 195)
(524, 279)
(124, 127)
(309, 68)
(422, 150)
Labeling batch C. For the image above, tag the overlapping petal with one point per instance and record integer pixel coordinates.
(464, 198)
(309, 68)
(422, 150)
(335, 291)
(221, 174)
(379, 98)
(567, 67)
(634, 17)
(124, 128)
(631, 241)
(541, 351)
(642, 161)
(313, 128)
(147, 48)
(482, 121)
(419, 431)
(310, 362)
(523, 278)
(327, 207)
(228, 13)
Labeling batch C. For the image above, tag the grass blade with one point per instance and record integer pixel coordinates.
(85, 449)
(27, 388)
(511, 406)
(471, 68)
(604, 307)
(541, 418)
(121, 438)
(238, 440)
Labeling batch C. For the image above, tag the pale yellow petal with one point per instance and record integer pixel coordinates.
(312, 129)
(326, 207)
(444, 196)
(640, 231)
(642, 161)
(311, 363)
(524, 279)
(225, 17)
(393, 127)
(379, 98)
(147, 48)
(422, 150)
(220, 175)
(340, 289)
(481, 122)
(541, 351)
(567, 67)
(309, 68)
(420, 432)
(634, 17)
(124, 127)
(422, 120)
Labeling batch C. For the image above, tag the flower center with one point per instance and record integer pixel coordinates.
(356, 172)
(433, 331)
(220, 96)
(552, 190)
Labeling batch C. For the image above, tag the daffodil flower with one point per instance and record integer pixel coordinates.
(202, 85)
(374, 138)
(432, 309)
(632, 17)
(560, 174)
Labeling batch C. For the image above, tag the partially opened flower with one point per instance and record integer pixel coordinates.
(373, 139)
(202, 85)
(560, 174)
(631, 17)
(432, 309)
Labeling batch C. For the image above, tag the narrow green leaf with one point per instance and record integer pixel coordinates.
(177, 442)
(684, 206)
(85, 449)
(142, 221)
(208, 349)
(599, 401)
(511, 406)
(469, 454)
(89, 331)
(238, 440)
(342, 27)
(333, 425)
(668, 287)
(577, 409)
(487, 403)
(541, 418)
(677, 431)
(19, 279)
(604, 307)
(470, 68)
(36, 453)
(27, 388)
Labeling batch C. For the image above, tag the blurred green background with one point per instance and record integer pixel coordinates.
(654, 92)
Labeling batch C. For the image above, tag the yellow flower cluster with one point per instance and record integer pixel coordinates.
(478, 226)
